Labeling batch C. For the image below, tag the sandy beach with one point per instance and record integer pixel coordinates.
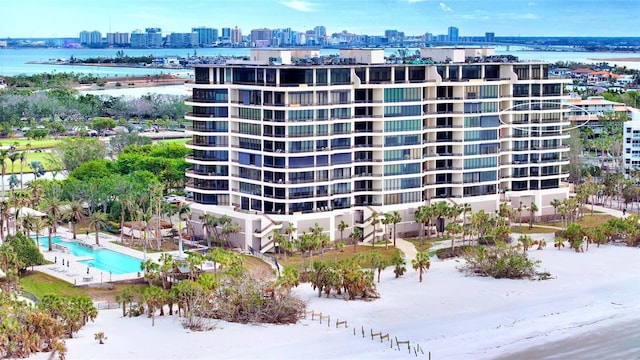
(451, 315)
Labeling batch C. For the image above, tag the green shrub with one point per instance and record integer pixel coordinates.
(500, 261)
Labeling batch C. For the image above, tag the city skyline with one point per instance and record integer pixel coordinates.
(66, 18)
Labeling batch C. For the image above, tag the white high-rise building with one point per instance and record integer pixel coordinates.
(278, 140)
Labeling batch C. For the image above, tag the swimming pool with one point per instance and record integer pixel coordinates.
(105, 260)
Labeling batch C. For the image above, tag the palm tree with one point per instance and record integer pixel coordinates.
(76, 214)
(27, 225)
(395, 219)
(23, 160)
(533, 208)
(13, 156)
(386, 221)
(289, 231)
(374, 221)
(5, 215)
(229, 229)
(4, 153)
(520, 209)
(355, 235)
(420, 217)
(421, 263)
(453, 229)
(50, 222)
(53, 206)
(342, 226)
(555, 203)
(97, 220)
(209, 224)
(37, 226)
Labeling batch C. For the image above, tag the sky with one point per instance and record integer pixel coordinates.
(66, 18)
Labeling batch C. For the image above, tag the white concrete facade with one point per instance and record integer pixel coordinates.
(306, 144)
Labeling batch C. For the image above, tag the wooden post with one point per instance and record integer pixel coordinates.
(338, 323)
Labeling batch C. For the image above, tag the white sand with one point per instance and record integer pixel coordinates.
(453, 316)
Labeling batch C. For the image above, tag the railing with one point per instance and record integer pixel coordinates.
(269, 259)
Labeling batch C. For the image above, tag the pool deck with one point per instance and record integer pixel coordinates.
(76, 272)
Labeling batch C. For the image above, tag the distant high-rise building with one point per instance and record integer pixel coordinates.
(391, 35)
(260, 35)
(206, 36)
(151, 38)
(90, 38)
(452, 32)
(226, 35)
(428, 37)
(321, 34)
(117, 39)
(236, 36)
(489, 37)
(441, 38)
(183, 40)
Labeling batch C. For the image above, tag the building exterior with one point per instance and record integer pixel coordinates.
(90, 38)
(259, 36)
(631, 142)
(206, 36)
(151, 38)
(236, 35)
(287, 139)
(452, 34)
(183, 40)
(589, 111)
(117, 39)
(489, 37)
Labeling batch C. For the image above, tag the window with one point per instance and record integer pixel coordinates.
(480, 163)
(402, 125)
(396, 111)
(300, 115)
(301, 162)
(402, 94)
(340, 76)
(401, 140)
(401, 169)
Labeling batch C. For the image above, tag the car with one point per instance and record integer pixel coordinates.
(172, 199)
(37, 150)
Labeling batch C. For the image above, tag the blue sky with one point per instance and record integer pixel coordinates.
(66, 18)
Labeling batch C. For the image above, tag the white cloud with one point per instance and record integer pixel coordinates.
(444, 7)
(298, 5)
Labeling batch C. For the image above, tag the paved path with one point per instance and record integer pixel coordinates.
(407, 249)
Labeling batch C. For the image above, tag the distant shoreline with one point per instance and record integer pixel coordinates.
(629, 59)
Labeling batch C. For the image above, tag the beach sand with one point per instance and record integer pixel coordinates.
(451, 315)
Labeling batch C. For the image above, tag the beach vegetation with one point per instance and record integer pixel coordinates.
(499, 261)
(421, 263)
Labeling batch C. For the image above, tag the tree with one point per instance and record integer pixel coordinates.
(4, 154)
(525, 241)
(77, 151)
(520, 209)
(51, 223)
(355, 236)
(26, 250)
(453, 229)
(399, 266)
(395, 219)
(342, 226)
(555, 203)
(533, 208)
(97, 220)
(76, 214)
(374, 222)
(421, 263)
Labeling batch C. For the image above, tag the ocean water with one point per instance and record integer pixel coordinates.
(620, 341)
(14, 61)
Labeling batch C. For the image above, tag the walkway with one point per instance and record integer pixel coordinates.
(407, 248)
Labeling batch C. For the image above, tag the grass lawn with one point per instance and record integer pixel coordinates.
(535, 230)
(595, 220)
(348, 253)
(427, 243)
(41, 284)
(21, 143)
(257, 267)
(174, 141)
